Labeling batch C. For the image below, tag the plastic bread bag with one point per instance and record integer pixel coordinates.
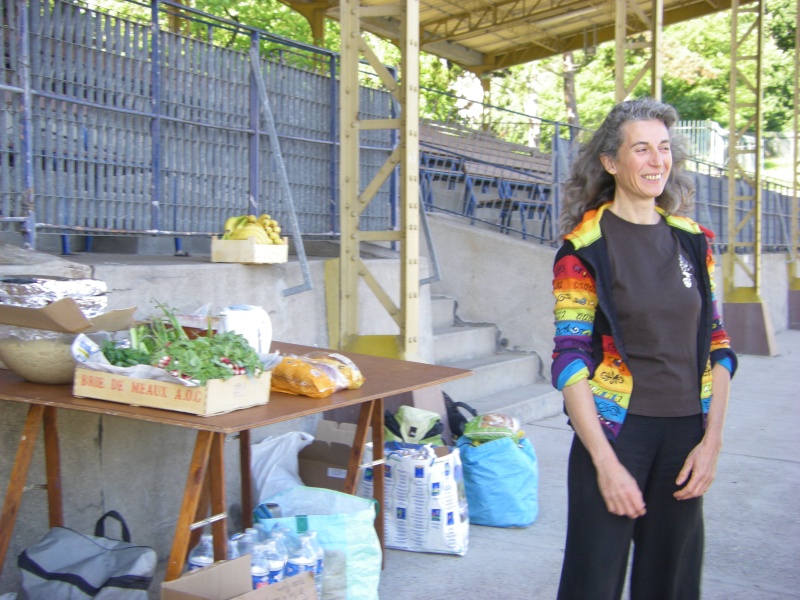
(492, 426)
(317, 374)
(342, 364)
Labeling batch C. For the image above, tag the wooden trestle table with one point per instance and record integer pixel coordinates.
(205, 482)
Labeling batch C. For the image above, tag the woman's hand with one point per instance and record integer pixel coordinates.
(698, 470)
(700, 467)
(620, 491)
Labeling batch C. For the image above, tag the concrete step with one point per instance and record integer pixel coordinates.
(527, 403)
(501, 382)
(443, 312)
(492, 374)
(455, 343)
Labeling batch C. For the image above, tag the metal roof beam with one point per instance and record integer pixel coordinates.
(576, 41)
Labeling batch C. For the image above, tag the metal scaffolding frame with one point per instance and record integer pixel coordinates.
(652, 23)
(344, 330)
(751, 325)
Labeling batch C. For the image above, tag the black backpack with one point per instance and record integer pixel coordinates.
(455, 418)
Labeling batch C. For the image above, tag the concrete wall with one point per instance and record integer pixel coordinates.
(498, 279)
(774, 286)
(503, 280)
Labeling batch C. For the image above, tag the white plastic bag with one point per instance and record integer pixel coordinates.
(274, 464)
(425, 505)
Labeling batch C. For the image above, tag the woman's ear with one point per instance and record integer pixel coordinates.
(608, 164)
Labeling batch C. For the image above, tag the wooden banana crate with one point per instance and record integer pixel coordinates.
(248, 252)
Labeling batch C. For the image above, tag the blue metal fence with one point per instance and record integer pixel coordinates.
(116, 127)
(113, 126)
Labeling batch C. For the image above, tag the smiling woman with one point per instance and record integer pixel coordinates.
(633, 285)
(641, 169)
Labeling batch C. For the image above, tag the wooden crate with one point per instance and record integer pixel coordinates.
(248, 252)
(217, 396)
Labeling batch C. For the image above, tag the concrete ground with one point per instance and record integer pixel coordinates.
(752, 511)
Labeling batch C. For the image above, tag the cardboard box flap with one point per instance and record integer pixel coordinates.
(323, 463)
(299, 587)
(65, 316)
(220, 581)
(342, 433)
(115, 320)
(231, 580)
(328, 452)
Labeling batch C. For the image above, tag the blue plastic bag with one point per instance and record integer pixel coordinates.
(345, 527)
(501, 481)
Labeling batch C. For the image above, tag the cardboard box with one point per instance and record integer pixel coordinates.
(217, 396)
(323, 463)
(248, 251)
(230, 580)
(65, 316)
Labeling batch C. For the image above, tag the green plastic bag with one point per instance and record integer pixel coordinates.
(413, 426)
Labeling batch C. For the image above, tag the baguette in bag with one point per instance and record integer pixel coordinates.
(316, 374)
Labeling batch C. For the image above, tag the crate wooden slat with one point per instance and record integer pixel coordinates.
(248, 252)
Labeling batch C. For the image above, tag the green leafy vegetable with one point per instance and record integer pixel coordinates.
(162, 342)
(122, 356)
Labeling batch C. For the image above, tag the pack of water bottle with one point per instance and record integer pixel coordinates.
(274, 555)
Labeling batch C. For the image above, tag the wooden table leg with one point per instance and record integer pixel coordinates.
(216, 473)
(378, 472)
(371, 415)
(246, 478)
(359, 442)
(52, 455)
(195, 480)
(202, 512)
(19, 474)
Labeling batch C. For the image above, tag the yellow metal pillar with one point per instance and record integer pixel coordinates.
(745, 313)
(794, 249)
(654, 25)
(343, 307)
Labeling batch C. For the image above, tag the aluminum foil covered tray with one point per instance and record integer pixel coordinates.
(36, 292)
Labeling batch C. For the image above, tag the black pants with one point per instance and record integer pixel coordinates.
(668, 540)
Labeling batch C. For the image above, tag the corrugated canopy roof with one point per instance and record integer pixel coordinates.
(488, 35)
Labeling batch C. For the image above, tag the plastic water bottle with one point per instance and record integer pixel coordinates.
(281, 548)
(259, 567)
(302, 558)
(287, 541)
(256, 534)
(310, 538)
(262, 532)
(202, 555)
(245, 543)
(276, 560)
(233, 550)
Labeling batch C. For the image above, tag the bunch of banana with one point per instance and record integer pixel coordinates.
(263, 229)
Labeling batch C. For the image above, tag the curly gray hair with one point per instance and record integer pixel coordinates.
(589, 185)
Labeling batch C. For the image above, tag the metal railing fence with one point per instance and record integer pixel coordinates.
(112, 129)
(113, 126)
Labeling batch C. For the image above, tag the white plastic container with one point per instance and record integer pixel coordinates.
(252, 322)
